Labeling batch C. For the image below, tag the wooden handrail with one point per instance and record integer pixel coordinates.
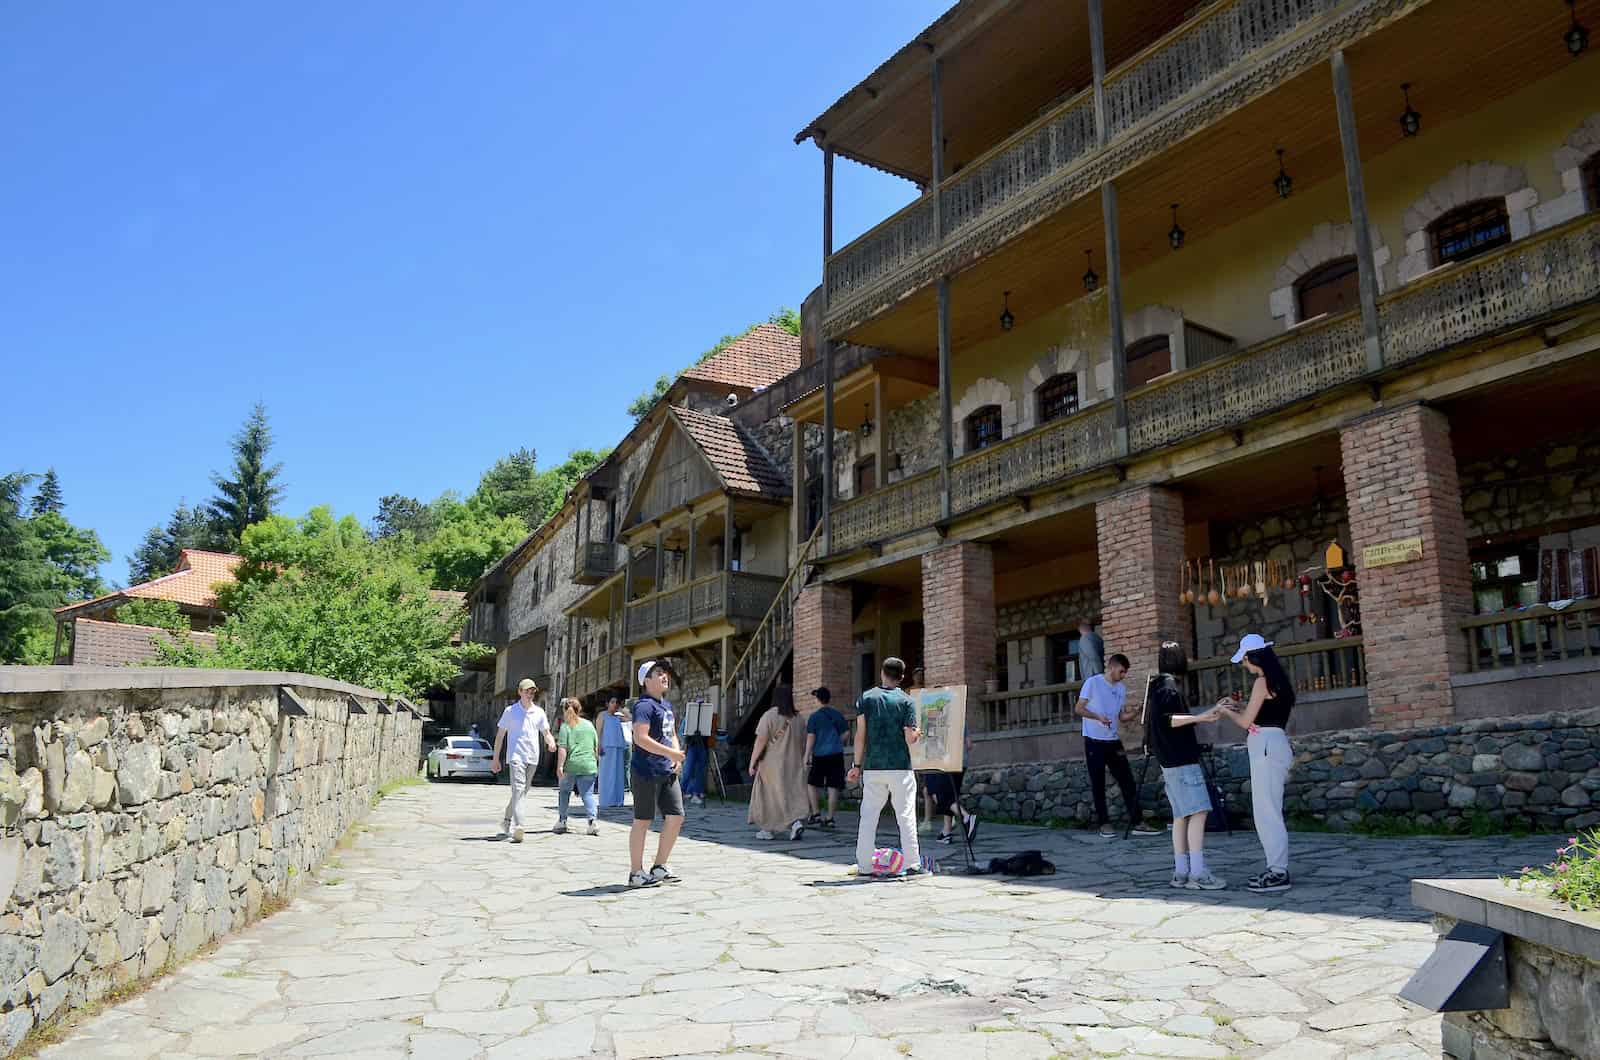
(778, 599)
(1036, 690)
(1526, 614)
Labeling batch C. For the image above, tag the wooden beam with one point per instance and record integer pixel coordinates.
(1355, 184)
(727, 536)
(936, 166)
(825, 350)
(827, 212)
(689, 563)
(878, 462)
(1111, 222)
(946, 440)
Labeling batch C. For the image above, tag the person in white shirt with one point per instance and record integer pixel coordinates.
(1101, 705)
(518, 735)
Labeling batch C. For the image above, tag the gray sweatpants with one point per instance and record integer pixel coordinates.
(521, 781)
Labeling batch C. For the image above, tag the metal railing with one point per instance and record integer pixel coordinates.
(1528, 636)
(1314, 666)
(1026, 708)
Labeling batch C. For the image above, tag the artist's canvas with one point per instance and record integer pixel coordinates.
(942, 718)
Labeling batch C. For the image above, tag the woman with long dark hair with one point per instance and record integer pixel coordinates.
(1170, 735)
(1265, 716)
(777, 769)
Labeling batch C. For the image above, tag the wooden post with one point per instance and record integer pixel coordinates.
(660, 577)
(946, 429)
(724, 666)
(878, 462)
(1110, 221)
(827, 214)
(578, 537)
(727, 551)
(627, 591)
(936, 106)
(825, 350)
(1355, 184)
(689, 564)
(55, 653)
(797, 511)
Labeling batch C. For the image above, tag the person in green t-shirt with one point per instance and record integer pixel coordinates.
(577, 764)
(886, 727)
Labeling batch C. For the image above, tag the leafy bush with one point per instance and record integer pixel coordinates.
(1574, 877)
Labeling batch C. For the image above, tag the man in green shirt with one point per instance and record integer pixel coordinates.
(886, 727)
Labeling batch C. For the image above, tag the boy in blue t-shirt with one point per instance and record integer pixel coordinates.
(656, 758)
(825, 731)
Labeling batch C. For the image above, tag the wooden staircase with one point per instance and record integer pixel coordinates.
(747, 684)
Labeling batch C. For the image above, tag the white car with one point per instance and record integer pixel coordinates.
(460, 756)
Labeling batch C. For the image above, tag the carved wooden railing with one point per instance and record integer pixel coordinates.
(603, 671)
(1314, 666)
(733, 595)
(1533, 635)
(1024, 461)
(910, 504)
(1223, 39)
(772, 642)
(598, 562)
(1028, 708)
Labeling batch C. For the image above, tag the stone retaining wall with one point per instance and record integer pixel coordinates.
(1542, 771)
(147, 812)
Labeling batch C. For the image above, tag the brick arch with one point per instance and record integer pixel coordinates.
(985, 391)
(1327, 242)
(1058, 360)
(1582, 144)
(1468, 182)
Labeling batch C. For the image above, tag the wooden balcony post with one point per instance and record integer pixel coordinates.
(689, 564)
(946, 430)
(1109, 217)
(826, 351)
(827, 215)
(936, 168)
(727, 535)
(878, 462)
(1355, 184)
(660, 577)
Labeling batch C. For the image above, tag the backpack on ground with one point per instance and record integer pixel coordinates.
(1027, 863)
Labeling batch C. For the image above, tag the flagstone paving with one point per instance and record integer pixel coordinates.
(429, 939)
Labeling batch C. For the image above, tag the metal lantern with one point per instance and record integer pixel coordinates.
(1091, 279)
(866, 421)
(1284, 183)
(1577, 37)
(1006, 319)
(1176, 233)
(1410, 121)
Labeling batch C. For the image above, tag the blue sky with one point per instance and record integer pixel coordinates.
(424, 234)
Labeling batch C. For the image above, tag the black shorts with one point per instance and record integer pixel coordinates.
(656, 793)
(827, 771)
(946, 791)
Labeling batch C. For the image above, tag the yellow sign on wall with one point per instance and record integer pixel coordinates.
(1391, 552)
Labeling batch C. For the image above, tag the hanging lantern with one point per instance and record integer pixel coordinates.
(1577, 37)
(1091, 279)
(1176, 233)
(1410, 120)
(1007, 321)
(1283, 182)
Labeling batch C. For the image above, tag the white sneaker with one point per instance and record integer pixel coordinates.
(516, 836)
(594, 829)
(797, 830)
(763, 834)
(1180, 879)
(1205, 882)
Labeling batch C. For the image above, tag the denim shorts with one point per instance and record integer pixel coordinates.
(1186, 790)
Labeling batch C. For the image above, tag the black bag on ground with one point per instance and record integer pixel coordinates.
(1027, 863)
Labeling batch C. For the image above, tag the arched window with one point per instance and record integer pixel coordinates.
(1058, 397)
(1469, 230)
(1333, 287)
(1147, 359)
(983, 427)
(1591, 182)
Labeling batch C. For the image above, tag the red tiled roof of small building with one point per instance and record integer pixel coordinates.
(758, 358)
(192, 584)
(739, 460)
(117, 644)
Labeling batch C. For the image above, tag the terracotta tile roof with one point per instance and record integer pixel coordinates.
(759, 358)
(738, 459)
(191, 584)
(114, 644)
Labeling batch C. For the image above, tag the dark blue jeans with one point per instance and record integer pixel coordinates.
(694, 767)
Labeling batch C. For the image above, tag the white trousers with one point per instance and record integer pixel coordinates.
(897, 786)
(521, 781)
(1270, 759)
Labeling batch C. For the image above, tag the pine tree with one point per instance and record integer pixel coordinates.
(252, 493)
(158, 555)
(47, 498)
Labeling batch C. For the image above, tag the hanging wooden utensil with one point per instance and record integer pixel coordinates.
(1241, 581)
(1183, 583)
(1213, 597)
(1261, 580)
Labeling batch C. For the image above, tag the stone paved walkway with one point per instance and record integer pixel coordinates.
(428, 940)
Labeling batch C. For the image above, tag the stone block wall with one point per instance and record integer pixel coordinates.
(1541, 771)
(145, 813)
(1534, 488)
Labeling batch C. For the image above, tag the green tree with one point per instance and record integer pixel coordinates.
(317, 596)
(640, 406)
(511, 486)
(553, 485)
(25, 577)
(162, 614)
(399, 514)
(158, 554)
(74, 555)
(253, 491)
(787, 319)
(47, 498)
(468, 539)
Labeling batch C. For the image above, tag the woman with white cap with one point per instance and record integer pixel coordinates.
(1265, 716)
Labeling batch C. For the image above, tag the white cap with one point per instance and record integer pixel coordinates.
(1248, 643)
(644, 670)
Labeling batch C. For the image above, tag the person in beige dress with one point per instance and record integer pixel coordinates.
(777, 767)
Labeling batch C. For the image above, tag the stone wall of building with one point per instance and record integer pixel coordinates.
(1534, 488)
(1541, 771)
(1051, 613)
(145, 813)
(913, 436)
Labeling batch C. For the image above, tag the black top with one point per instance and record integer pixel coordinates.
(1173, 745)
(1274, 712)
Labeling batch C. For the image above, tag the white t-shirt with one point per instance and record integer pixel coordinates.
(523, 729)
(1105, 699)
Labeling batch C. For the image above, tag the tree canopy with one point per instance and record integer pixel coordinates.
(163, 614)
(185, 528)
(253, 491)
(45, 563)
(47, 498)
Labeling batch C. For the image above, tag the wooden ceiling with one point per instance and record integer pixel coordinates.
(1224, 173)
(1020, 58)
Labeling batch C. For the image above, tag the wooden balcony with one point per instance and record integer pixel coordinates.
(732, 597)
(1516, 285)
(596, 562)
(1229, 53)
(609, 669)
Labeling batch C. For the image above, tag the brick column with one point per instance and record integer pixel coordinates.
(1139, 537)
(958, 616)
(822, 643)
(1400, 482)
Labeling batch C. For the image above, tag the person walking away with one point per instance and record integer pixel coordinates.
(694, 763)
(1091, 651)
(577, 764)
(1265, 716)
(656, 759)
(777, 768)
(1101, 705)
(521, 725)
(613, 754)
(1171, 738)
(886, 727)
(825, 731)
